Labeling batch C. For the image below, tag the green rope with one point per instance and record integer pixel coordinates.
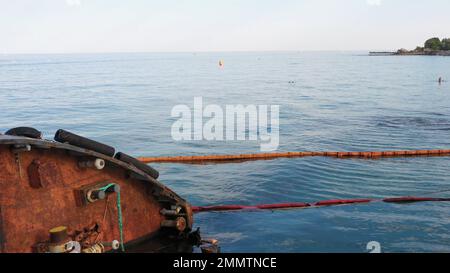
(119, 212)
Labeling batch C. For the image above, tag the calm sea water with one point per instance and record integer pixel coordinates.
(337, 101)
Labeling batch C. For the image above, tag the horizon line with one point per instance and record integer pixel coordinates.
(190, 52)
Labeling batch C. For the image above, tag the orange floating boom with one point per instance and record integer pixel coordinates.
(265, 156)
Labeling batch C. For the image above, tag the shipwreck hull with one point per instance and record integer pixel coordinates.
(46, 184)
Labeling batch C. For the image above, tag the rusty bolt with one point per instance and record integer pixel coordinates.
(179, 223)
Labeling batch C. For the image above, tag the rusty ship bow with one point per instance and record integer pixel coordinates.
(74, 194)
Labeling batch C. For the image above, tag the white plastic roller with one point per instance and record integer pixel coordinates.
(99, 164)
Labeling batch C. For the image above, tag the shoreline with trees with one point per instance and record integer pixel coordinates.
(431, 47)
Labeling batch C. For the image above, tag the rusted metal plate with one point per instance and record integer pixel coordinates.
(44, 196)
(44, 174)
(50, 145)
(2, 235)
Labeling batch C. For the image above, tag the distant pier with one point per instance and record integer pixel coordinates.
(382, 53)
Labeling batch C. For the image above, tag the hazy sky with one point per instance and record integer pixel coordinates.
(69, 26)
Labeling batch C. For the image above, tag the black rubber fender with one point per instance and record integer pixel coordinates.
(82, 142)
(138, 164)
(25, 132)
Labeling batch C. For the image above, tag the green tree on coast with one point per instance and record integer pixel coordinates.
(432, 47)
(445, 44)
(433, 44)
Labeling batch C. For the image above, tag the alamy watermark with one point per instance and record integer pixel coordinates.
(213, 122)
(373, 247)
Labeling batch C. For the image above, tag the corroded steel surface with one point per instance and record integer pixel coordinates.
(38, 192)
